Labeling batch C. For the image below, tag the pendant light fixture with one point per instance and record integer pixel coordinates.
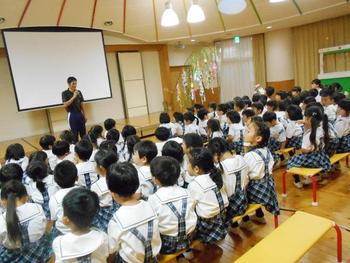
(169, 16)
(232, 7)
(195, 14)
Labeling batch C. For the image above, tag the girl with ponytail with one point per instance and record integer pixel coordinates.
(209, 195)
(22, 227)
(235, 176)
(314, 144)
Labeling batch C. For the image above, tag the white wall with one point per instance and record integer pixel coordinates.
(178, 56)
(279, 55)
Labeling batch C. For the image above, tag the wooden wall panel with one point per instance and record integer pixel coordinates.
(285, 85)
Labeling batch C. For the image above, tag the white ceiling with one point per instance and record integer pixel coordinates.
(140, 19)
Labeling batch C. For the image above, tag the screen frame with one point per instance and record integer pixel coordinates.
(52, 29)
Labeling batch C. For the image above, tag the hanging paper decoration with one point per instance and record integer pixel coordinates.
(177, 92)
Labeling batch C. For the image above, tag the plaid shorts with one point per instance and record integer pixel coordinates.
(295, 142)
(173, 244)
(344, 144)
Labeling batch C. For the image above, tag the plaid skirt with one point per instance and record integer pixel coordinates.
(173, 244)
(238, 204)
(332, 146)
(274, 146)
(35, 252)
(317, 159)
(237, 147)
(104, 215)
(211, 230)
(344, 144)
(295, 142)
(263, 191)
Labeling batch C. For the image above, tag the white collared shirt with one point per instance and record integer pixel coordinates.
(171, 126)
(28, 212)
(230, 167)
(331, 112)
(201, 190)
(23, 162)
(217, 134)
(56, 208)
(278, 132)
(86, 168)
(306, 143)
(70, 246)
(235, 131)
(256, 165)
(294, 129)
(281, 117)
(34, 193)
(145, 179)
(102, 191)
(191, 128)
(168, 222)
(124, 242)
(50, 156)
(342, 126)
(202, 126)
(92, 157)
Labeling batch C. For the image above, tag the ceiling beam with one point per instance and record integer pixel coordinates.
(124, 16)
(155, 20)
(24, 12)
(297, 7)
(256, 11)
(61, 12)
(93, 14)
(220, 15)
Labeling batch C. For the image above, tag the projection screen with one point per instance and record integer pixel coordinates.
(42, 59)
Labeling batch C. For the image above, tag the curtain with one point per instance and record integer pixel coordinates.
(308, 39)
(259, 59)
(236, 68)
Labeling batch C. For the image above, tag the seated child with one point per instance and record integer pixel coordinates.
(277, 138)
(221, 111)
(214, 129)
(96, 132)
(113, 134)
(179, 123)
(103, 160)
(65, 176)
(174, 149)
(203, 120)
(68, 136)
(294, 129)
(315, 141)
(342, 125)
(61, 150)
(296, 91)
(144, 153)
(108, 125)
(190, 123)
(258, 108)
(15, 154)
(46, 142)
(162, 134)
(235, 176)
(261, 187)
(164, 120)
(269, 92)
(235, 132)
(173, 206)
(239, 107)
(133, 228)
(327, 101)
(82, 244)
(212, 111)
(22, 227)
(127, 131)
(209, 195)
(86, 169)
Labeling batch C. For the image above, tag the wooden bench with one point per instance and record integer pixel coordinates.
(169, 257)
(305, 172)
(340, 156)
(285, 151)
(250, 210)
(289, 242)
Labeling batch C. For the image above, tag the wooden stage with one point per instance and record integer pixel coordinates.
(145, 126)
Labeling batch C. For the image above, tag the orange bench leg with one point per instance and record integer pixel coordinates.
(339, 243)
(275, 217)
(284, 184)
(314, 190)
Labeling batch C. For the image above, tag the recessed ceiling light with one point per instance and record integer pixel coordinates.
(276, 1)
(108, 23)
(268, 27)
(2, 20)
(193, 40)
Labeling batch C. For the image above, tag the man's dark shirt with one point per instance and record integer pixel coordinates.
(75, 106)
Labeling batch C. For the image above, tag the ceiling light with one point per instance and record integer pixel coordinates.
(268, 27)
(276, 1)
(2, 20)
(108, 23)
(230, 7)
(169, 17)
(195, 14)
(193, 40)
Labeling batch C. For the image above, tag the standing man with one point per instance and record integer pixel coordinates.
(73, 102)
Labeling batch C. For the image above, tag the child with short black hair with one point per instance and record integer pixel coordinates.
(113, 134)
(134, 226)
(173, 206)
(86, 169)
(235, 132)
(202, 115)
(272, 106)
(104, 159)
(65, 176)
(269, 92)
(294, 129)
(41, 186)
(210, 197)
(11, 171)
(316, 85)
(164, 120)
(190, 123)
(281, 95)
(108, 124)
(342, 125)
(62, 152)
(247, 116)
(68, 136)
(127, 131)
(296, 91)
(22, 227)
(258, 108)
(15, 154)
(46, 142)
(214, 129)
(327, 101)
(174, 149)
(247, 102)
(179, 123)
(144, 153)
(212, 110)
(261, 187)
(162, 134)
(221, 110)
(82, 244)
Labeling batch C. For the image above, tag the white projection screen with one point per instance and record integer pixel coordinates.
(41, 60)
